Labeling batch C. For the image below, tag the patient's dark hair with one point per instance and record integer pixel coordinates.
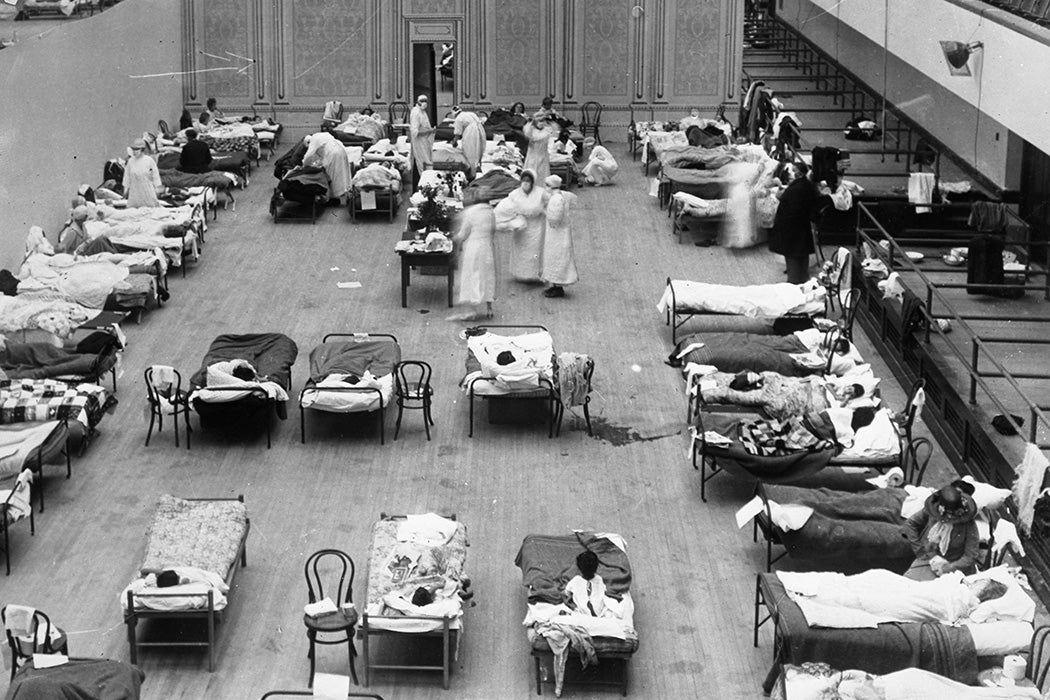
(858, 391)
(514, 108)
(587, 563)
(204, 118)
(211, 103)
(191, 134)
(244, 373)
(862, 417)
(994, 589)
(841, 346)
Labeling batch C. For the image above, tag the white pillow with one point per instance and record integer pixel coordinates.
(1015, 604)
(1000, 638)
(986, 495)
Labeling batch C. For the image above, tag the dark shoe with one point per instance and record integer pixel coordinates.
(554, 292)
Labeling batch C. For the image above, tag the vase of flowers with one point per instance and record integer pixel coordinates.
(433, 215)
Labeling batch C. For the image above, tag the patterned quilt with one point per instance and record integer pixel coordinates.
(34, 400)
(401, 567)
(250, 144)
(202, 534)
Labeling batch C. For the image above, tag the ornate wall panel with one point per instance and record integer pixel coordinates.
(224, 27)
(660, 54)
(518, 51)
(329, 45)
(607, 47)
(696, 43)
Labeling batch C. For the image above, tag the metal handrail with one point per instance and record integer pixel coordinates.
(978, 345)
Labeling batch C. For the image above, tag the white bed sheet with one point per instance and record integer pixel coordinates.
(752, 301)
(350, 401)
(531, 371)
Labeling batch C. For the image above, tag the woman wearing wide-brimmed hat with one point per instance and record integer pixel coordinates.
(944, 534)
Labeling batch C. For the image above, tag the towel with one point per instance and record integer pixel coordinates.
(18, 620)
(1030, 474)
(920, 190)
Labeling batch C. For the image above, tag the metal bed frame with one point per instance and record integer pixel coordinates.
(447, 634)
(311, 385)
(209, 614)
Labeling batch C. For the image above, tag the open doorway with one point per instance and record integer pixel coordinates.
(434, 74)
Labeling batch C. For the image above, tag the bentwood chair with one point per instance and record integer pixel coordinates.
(398, 115)
(165, 395)
(328, 565)
(413, 391)
(37, 636)
(917, 454)
(591, 120)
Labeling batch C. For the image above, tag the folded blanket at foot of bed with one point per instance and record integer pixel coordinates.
(19, 441)
(847, 532)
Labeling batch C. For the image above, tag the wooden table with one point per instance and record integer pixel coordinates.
(410, 259)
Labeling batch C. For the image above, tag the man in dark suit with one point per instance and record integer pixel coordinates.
(196, 156)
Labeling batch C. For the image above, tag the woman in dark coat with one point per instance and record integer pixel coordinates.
(792, 234)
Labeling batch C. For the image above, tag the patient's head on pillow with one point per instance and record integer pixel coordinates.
(505, 358)
(244, 372)
(167, 578)
(841, 346)
(587, 563)
(986, 589)
(422, 597)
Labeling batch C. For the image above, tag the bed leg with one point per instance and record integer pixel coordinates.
(7, 548)
(211, 632)
(758, 603)
(65, 451)
(302, 424)
(40, 471)
(364, 649)
(703, 477)
(446, 662)
(382, 429)
(130, 621)
(470, 433)
(625, 669)
(539, 676)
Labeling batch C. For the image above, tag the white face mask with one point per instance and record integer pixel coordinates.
(526, 186)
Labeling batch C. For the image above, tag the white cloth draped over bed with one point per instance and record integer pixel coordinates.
(87, 283)
(220, 376)
(877, 596)
(533, 360)
(753, 301)
(349, 401)
(55, 316)
(190, 594)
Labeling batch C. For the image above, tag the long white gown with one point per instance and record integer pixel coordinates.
(422, 136)
(477, 255)
(470, 131)
(559, 260)
(141, 181)
(325, 151)
(601, 166)
(527, 246)
(538, 158)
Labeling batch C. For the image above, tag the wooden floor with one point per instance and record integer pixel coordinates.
(694, 571)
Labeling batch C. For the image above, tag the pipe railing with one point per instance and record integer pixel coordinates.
(979, 346)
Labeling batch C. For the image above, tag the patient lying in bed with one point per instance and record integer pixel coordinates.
(237, 374)
(877, 596)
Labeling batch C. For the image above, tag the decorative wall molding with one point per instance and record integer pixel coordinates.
(652, 54)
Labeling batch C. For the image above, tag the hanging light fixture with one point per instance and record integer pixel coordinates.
(957, 54)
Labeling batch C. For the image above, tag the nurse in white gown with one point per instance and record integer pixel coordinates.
(524, 213)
